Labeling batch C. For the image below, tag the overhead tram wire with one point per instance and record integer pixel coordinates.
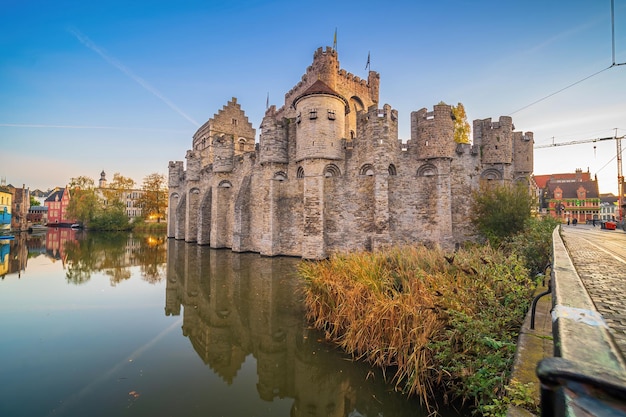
(613, 64)
(562, 89)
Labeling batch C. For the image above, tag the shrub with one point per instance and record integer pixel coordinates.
(439, 321)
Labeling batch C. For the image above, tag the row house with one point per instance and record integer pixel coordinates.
(57, 204)
(6, 203)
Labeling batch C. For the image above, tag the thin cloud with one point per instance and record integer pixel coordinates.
(46, 126)
(117, 64)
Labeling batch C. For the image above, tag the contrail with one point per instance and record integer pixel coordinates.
(46, 126)
(117, 64)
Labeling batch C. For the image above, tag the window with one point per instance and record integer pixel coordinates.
(331, 115)
(367, 169)
(298, 118)
(331, 170)
(234, 122)
(313, 114)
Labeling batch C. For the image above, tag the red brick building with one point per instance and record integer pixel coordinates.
(569, 196)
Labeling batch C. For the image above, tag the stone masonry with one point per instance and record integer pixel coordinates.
(330, 174)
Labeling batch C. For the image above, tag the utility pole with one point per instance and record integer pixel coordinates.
(620, 181)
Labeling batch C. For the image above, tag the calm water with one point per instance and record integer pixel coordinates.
(123, 325)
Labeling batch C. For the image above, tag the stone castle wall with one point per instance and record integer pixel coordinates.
(338, 181)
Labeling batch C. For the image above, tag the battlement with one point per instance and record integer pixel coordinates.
(432, 132)
(320, 52)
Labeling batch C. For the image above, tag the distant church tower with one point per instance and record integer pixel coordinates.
(103, 180)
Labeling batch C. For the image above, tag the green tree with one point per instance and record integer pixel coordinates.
(84, 205)
(89, 208)
(34, 202)
(118, 188)
(501, 211)
(153, 200)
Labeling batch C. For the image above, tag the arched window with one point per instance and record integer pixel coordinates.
(392, 169)
(242, 144)
(427, 170)
(225, 184)
(491, 174)
(280, 176)
(331, 170)
(367, 169)
(300, 172)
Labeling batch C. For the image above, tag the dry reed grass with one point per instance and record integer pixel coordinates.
(389, 307)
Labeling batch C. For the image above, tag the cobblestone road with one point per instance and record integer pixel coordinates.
(599, 257)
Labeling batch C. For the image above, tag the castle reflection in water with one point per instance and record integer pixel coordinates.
(240, 304)
(234, 306)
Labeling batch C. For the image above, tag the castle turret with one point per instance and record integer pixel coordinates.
(176, 174)
(432, 133)
(320, 123)
(523, 153)
(224, 152)
(273, 141)
(495, 139)
(325, 66)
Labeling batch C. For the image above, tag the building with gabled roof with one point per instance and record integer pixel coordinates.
(57, 204)
(569, 196)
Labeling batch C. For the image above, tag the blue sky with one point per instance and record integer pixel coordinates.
(122, 86)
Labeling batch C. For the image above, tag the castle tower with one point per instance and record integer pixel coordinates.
(496, 140)
(273, 146)
(523, 153)
(432, 133)
(223, 153)
(320, 123)
(325, 67)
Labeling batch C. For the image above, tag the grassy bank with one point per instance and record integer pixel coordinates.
(435, 321)
(142, 226)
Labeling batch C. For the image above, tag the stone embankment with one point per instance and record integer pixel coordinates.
(579, 335)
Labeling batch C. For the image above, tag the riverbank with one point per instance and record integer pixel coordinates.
(441, 321)
(533, 345)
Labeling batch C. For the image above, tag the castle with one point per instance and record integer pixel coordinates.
(330, 174)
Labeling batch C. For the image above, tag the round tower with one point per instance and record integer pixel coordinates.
(272, 141)
(497, 140)
(320, 123)
(433, 132)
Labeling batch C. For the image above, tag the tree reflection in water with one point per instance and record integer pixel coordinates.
(114, 254)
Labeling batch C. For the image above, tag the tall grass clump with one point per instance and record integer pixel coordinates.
(435, 322)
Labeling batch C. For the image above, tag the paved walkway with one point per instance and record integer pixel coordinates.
(599, 257)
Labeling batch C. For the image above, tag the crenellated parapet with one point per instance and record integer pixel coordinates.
(176, 174)
(325, 68)
(273, 143)
(224, 152)
(378, 127)
(495, 140)
(523, 152)
(432, 133)
(194, 165)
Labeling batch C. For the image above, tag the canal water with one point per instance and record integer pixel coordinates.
(95, 324)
